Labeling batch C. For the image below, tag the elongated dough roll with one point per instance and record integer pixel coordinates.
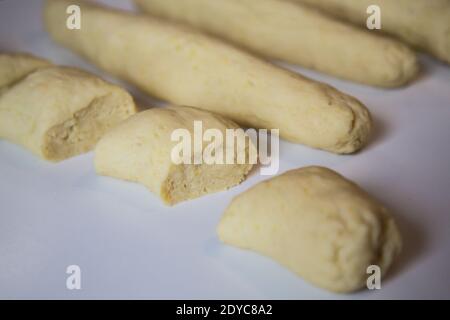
(424, 24)
(316, 223)
(141, 150)
(297, 34)
(15, 66)
(60, 112)
(187, 68)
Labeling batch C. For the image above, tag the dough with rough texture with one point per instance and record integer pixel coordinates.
(297, 34)
(424, 24)
(316, 223)
(60, 112)
(140, 150)
(185, 67)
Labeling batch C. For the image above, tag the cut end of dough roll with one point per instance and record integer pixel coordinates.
(140, 150)
(288, 31)
(60, 112)
(186, 182)
(318, 224)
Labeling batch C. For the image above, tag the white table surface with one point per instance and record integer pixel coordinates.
(129, 245)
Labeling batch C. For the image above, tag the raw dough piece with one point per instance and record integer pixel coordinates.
(60, 112)
(140, 150)
(188, 68)
(297, 34)
(15, 66)
(316, 223)
(424, 24)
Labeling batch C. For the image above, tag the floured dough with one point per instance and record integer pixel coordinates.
(140, 150)
(60, 112)
(318, 224)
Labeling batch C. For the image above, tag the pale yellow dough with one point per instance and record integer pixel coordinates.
(424, 24)
(140, 150)
(58, 112)
(316, 223)
(15, 66)
(188, 68)
(297, 34)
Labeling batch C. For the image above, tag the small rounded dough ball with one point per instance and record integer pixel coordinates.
(318, 224)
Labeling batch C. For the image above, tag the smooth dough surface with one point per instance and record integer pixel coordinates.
(15, 66)
(318, 224)
(140, 150)
(297, 34)
(60, 112)
(185, 67)
(424, 24)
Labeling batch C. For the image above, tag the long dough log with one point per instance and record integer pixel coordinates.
(15, 66)
(421, 23)
(297, 34)
(188, 68)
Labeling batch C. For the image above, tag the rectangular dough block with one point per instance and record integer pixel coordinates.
(140, 150)
(318, 224)
(185, 67)
(297, 34)
(60, 112)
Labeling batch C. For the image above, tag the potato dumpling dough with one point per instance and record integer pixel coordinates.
(297, 34)
(60, 112)
(316, 223)
(185, 67)
(15, 66)
(140, 150)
